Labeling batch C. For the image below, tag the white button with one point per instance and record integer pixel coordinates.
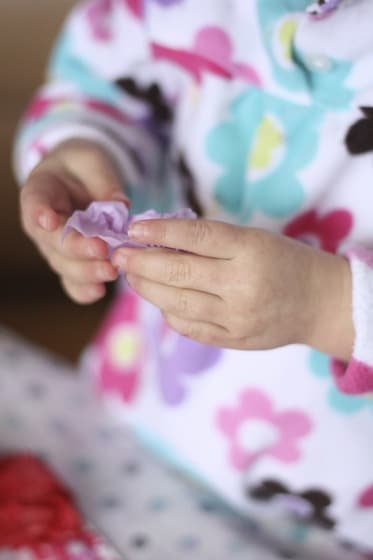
(319, 62)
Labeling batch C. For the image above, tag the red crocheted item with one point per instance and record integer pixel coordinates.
(35, 508)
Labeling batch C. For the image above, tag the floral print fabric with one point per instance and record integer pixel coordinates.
(258, 113)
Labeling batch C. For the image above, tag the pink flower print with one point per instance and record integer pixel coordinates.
(39, 148)
(135, 7)
(98, 13)
(366, 498)
(119, 348)
(326, 232)
(38, 106)
(212, 51)
(254, 429)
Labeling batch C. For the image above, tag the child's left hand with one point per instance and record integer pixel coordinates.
(241, 288)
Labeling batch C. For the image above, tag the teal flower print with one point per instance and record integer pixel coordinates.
(66, 65)
(346, 404)
(293, 69)
(262, 148)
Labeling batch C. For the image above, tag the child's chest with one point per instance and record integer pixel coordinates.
(276, 44)
(269, 124)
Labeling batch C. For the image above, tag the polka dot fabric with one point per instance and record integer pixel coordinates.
(145, 509)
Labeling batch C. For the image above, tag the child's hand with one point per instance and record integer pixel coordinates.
(242, 288)
(69, 178)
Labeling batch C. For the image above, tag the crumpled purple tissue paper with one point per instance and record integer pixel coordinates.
(110, 220)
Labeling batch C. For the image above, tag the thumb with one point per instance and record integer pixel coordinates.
(44, 200)
(96, 170)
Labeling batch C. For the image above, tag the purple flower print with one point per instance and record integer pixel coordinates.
(177, 358)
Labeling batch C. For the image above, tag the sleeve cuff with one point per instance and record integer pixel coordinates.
(25, 160)
(356, 377)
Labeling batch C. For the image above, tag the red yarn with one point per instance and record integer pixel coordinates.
(35, 508)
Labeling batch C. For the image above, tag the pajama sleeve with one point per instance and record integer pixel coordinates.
(102, 86)
(356, 377)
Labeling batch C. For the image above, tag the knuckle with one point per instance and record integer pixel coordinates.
(136, 266)
(182, 327)
(26, 221)
(75, 293)
(182, 304)
(52, 261)
(200, 231)
(69, 289)
(237, 326)
(189, 330)
(171, 320)
(178, 273)
(26, 225)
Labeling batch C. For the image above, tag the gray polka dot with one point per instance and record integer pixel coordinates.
(105, 434)
(139, 541)
(158, 504)
(208, 505)
(131, 467)
(83, 466)
(287, 554)
(236, 546)
(110, 503)
(190, 542)
(13, 421)
(36, 390)
(11, 354)
(58, 426)
(42, 455)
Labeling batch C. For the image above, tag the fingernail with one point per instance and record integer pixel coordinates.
(120, 197)
(106, 275)
(138, 231)
(94, 253)
(44, 222)
(119, 260)
(96, 291)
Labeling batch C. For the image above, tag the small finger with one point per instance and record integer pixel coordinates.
(205, 333)
(44, 200)
(77, 246)
(172, 269)
(74, 246)
(83, 293)
(82, 271)
(188, 304)
(201, 237)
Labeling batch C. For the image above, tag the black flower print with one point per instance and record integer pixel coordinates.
(189, 185)
(359, 138)
(315, 501)
(322, 7)
(151, 95)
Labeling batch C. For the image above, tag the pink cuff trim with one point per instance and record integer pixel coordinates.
(361, 253)
(354, 378)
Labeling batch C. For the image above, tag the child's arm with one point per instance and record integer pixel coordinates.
(98, 126)
(102, 86)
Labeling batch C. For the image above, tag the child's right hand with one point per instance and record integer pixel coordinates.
(69, 178)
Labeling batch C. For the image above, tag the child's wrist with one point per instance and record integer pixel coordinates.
(331, 327)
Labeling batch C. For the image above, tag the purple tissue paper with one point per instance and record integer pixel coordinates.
(110, 220)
